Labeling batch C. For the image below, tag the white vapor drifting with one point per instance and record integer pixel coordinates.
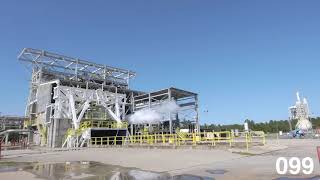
(155, 114)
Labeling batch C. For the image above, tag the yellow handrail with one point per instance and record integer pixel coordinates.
(211, 138)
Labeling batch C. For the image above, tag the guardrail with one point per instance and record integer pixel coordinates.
(114, 140)
(94, 124)
(250, 137)
(194, 139)
(104, 124)
(29, 122)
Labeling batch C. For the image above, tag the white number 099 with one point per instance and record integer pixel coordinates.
(294, 165)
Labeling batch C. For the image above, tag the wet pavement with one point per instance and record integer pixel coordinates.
(287, 178)
(91, 171)
(174, 164)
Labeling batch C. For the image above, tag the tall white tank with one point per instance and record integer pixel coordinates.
(300, 111)
(246, 126)
(304, 124)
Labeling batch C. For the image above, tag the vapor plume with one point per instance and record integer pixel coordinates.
(155, 114)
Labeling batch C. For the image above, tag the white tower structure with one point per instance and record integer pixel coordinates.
(300, 111)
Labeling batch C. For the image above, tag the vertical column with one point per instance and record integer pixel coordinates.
(117, 109)
(104, 75)
(6, 138)
(128, 80)
(60, 128)
(197, 113)
(132, 102)
(132, 110)
(123, 107)
(51, 129)
(30, 137)
(76, 69)
(39, 80)
(170, 120)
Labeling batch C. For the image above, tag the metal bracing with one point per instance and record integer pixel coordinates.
(6, 134)
(76, 69)
(64, 90)
(187, 102)
(11, 122)
(71, 101)
(75, 103)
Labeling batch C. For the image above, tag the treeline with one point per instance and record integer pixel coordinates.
(271, 126)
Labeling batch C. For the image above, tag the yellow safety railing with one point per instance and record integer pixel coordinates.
(257, 135)
(106, 124)
(172, 139)
(224, 136)
(112, 140)
(29, 122)
(247, 141)
(94, 124)
(250, 137)
(211, 138)
(154, 139)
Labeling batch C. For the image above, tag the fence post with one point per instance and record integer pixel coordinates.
(194, 139)
(230, 140)
(213, 141)
(140, 139)
(163, 139)
(247, 143)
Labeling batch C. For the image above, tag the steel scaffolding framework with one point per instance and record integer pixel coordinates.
(75, 69)
(186, 100)
(64, 89)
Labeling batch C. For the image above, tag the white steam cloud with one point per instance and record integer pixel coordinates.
(155, 114)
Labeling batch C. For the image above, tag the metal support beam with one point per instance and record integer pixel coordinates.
(170, 120)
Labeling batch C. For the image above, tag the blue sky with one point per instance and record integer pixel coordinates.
(246, 59)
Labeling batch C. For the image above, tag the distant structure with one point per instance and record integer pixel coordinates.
(11, 129)
(72, 100)
(11, 122)
(300, 111)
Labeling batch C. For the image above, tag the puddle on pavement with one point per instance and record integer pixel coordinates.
(216, 171)
(90, 170)
(189, 177)
(288, 178)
